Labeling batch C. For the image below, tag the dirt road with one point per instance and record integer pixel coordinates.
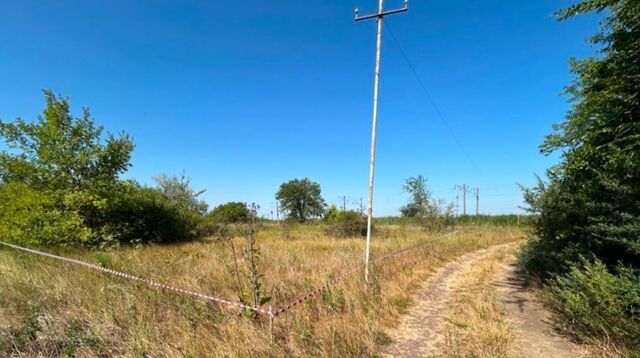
(445, 322)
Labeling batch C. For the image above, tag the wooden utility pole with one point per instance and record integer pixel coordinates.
(477, 201)
(376, 86)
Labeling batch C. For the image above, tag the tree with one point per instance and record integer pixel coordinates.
(231, 213)
(58, 175)
(420, 203)
(301, 199)
(591, 203)
(59, 151)
(587, 245)
(178, 190)
(60, 185)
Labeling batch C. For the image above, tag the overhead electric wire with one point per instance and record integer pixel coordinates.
(433, 103)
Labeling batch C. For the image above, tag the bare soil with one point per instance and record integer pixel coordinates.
(421, 332)
(533, 324)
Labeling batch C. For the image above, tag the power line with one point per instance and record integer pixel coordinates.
(433, 103)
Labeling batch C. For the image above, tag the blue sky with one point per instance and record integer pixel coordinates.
(243, 96)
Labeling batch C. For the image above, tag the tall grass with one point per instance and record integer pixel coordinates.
(52, 308)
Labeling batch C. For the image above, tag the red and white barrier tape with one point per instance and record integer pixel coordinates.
(148, 282)
(313, 293)
(309, 295)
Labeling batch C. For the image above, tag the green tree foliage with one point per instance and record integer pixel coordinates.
(422, 205)
(179, 191)
(56, 175)
(331, 214)
(36, 217)
(139, 214)
(62, 152)
(301, 199)
(591, 203)
(231, 213)
(59, 185)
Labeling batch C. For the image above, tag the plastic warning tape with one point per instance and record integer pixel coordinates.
(148, 282)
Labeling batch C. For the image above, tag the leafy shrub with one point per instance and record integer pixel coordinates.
(347, 224)
(331, 214)
(39, 217)
(230, 213)
(141, 214)
(599, 303)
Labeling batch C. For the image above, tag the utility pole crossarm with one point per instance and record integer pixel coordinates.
(381, 14)
(376, 85)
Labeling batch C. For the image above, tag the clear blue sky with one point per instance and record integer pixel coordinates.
(243, 95)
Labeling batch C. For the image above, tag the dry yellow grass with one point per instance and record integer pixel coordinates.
(53, 308)
(477, 325)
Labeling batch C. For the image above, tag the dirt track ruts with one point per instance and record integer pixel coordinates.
(421, 330)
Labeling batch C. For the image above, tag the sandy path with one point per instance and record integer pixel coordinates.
(532, 323)
(421, 331)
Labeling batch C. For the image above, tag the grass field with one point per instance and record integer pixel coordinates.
(53, 308)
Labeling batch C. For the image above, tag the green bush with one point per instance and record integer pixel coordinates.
(347, 224)
(40, 217)
(140, 214)
(230, 213)
(598, 303)
(331, 214)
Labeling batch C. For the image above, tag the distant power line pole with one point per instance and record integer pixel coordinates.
(344, 202)
(477, 192)
(376, 86)
(458, 188)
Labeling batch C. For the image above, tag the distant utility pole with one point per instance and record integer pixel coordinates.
(344, 202)
(277, 211)
(376, 85)
(457, 188)
(477, 201)
(464, 188)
